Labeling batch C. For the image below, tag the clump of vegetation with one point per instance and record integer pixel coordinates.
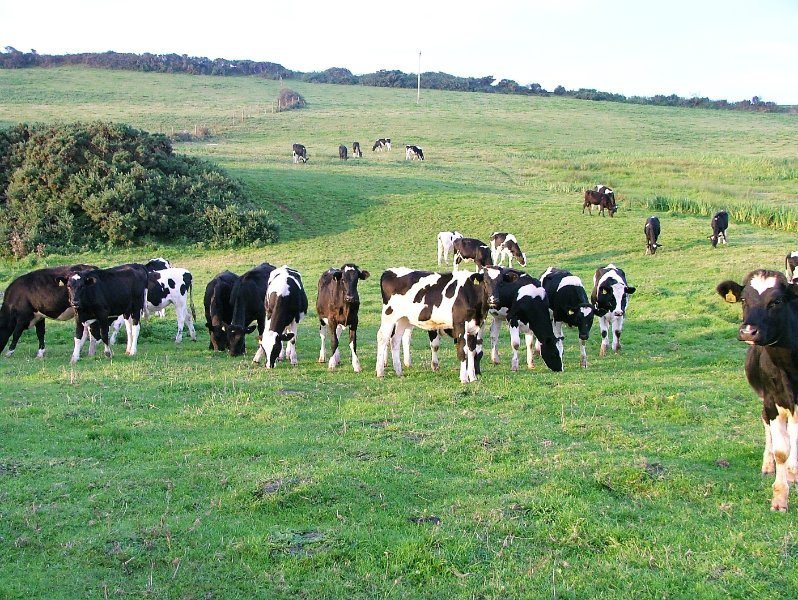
(782, 218)
(289, 99)
(82, 185)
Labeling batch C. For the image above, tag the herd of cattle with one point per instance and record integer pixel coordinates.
(412, 152)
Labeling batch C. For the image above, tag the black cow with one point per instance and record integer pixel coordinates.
(719, 224)
(522, 302)
(342, 152)
(247, 298)
(569, 305)
(610, 299)
(337, 305)
(382, 144)
(300, 153)
(651, 230)
(218, 308)
(456, 303)
(413, 153)
(31, 298)
(790, 263)
(356, 151)
(503, 244)
(471, 249)
(286, 304)
(770, 328)
(100, 295)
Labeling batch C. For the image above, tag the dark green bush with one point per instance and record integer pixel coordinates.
(80, 185)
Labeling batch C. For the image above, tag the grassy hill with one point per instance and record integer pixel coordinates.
(183, 474)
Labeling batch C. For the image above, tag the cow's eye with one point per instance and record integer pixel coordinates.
(775, 302)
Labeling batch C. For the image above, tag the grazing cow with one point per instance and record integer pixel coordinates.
(31, 298)
(337, 305)
(790, 262)
(382, 144)
(719, 224)
(165, 287)
(100, 295)
(471, 249)
(522, 302)
(445, 242)
(454, 302)
(651, 230)
(300, 153)
(218, 308)
(569, 305)
(770, 320)
(356, 151)
(503, 244)
(610, 298)
(286, 304)
(247, 298)
(603, 197)
(413, 153)
(342, 152)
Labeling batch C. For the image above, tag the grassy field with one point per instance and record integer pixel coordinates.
(184, 474)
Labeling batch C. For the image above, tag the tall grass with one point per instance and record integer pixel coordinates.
(781, 218)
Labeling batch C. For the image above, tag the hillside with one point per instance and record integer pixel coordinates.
(179, 473)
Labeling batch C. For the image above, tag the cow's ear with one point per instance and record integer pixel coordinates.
(570, 312)
(364, 275)
(477, 278)
(510, 276)
(62, 281)
(250, 329)
(630, 290)
(225, 326)
(287, 337)
(337, 275)
(730, 291)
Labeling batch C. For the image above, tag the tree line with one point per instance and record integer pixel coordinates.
(12, 58)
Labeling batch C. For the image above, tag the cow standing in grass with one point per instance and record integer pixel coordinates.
(218, 308)
(610, 299)
(651, 229)
(337, 304)
(247, 298)
(569, 306)
(719, 224)
(445, 244)
(285, 305)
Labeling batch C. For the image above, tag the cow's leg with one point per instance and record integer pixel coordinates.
(384, 338)
(322, 337)
(353, 347)
(768, 461)
(792, 458)
(181, 320)
(407, 337)
(460, 346)
(190, 323)
(605, 326)
(80, 338)
(335, 346)
(21, 325)
(292, 355)
(401, 326)
(455, 261)
(515, 343)
(617, 329)
(40, 334)
(440, 251)
(583, 353)
(530, 350)
(434, 346)
(92, 339)
(557, 328)
(781, 451)
(260, 352)
(495, 330)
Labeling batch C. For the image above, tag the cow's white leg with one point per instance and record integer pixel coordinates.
(617, 328)
(768, 461)
(407, 337)
(530, 350)
(792, 458)
(781, 451)
(128, 333)
(471, 337)
(605, 327)
(495, 330)
(260, 352)
(190, 324)
(583, 353)
(353, 349)
(557, 327)
(181, 319)
(133, 332)
(78, 345)
(515, 342)
(292, 355)
(323, 350)
(396, 342)
(434, 346)
(440, 251)
(383, 340)
(114, 329)
(335, 359)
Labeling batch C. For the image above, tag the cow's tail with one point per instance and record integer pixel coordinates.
(191, 300)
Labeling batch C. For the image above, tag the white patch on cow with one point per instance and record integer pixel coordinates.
(348, 268)
(761, 284)
(586, 310)
(569, 280)
(278, 281)
(400, 271)
(546, 273)
(531, 291)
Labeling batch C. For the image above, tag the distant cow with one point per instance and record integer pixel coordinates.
(167, 287)
(218, 308)
(247, 297)
(31, 298)
(445, 242)
(337, 305)
(413, 153)
(790, 263)
(610, 298)
(286, 304)
(100, 295)
(503, 244)
(569, 305)
(719, 224)
(356, 151)
(651, 230)
(471, 249)
(300, 153)
(342, 152)
(382, 144)
(770, 316)
(601, 196)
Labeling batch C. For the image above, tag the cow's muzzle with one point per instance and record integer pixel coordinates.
(749, 334)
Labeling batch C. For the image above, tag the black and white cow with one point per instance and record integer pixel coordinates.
(157, 264)
(651, 230)
(356, 151)
(286, 304)
(300, 153)
(456, 303)
(790, 263)
(248, 299)
(164, 288)
(471, 249)
(521, 301)
(719, 224)
(31, 298)
(218, 308)
(382, 144)
(413, 153)
(342, 152)
(569, 305)
(770, 328)
(503, 244)
(100, 295)
(610, 298)
(445, 242)
(337, 305)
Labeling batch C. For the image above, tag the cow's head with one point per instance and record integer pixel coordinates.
(218, 337)
(347, 278)
(766, 296)
(493, 278)
(651, 247)
(272, 344)
(235, 338)
(82, 289)
(714, 239)
(581, 317)
(612, 297)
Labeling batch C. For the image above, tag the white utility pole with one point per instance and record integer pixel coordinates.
(418, 95)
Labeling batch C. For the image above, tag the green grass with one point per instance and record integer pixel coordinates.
(183, 474)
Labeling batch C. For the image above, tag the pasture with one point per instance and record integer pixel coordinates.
(184, 474)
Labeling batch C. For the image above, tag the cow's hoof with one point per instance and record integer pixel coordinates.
(603, 351)
(777, 507)
(322, 360)
(10, 353)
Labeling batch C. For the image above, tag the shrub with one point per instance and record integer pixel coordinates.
(289, 99)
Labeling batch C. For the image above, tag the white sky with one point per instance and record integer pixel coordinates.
(732, 49)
